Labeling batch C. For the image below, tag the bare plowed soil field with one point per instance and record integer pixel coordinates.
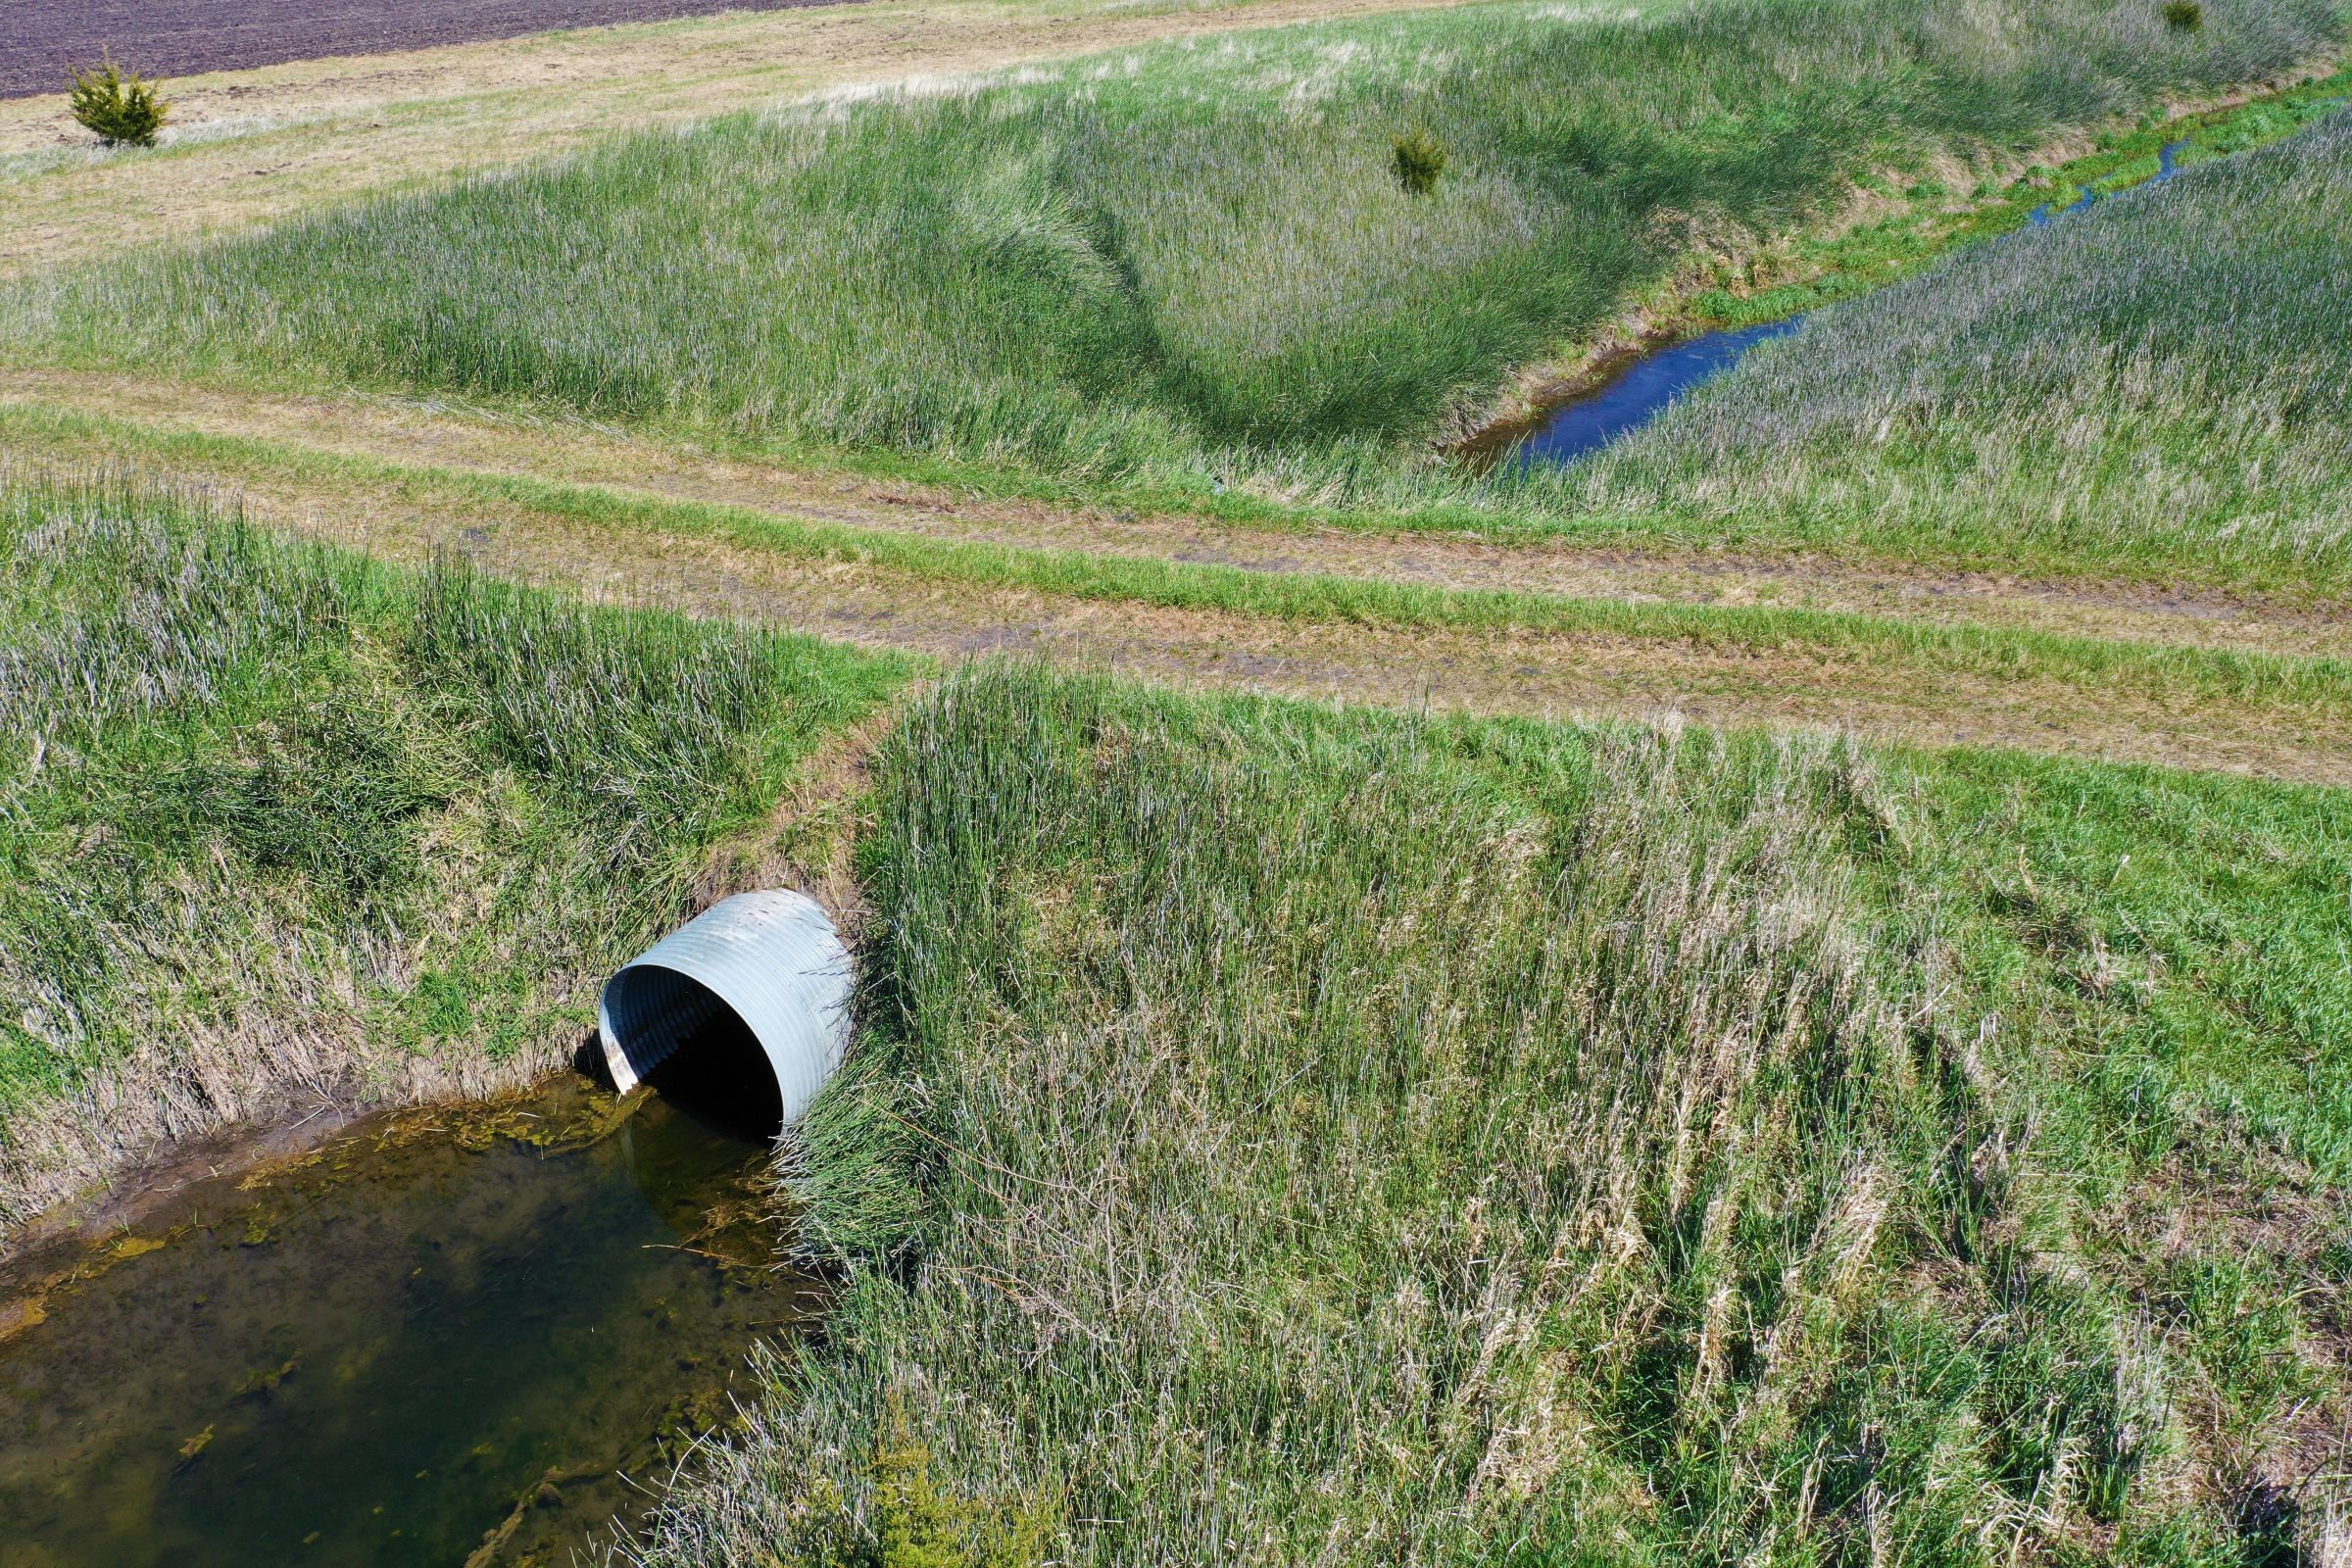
(43, 38)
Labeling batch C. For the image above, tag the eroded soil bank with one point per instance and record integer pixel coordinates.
(472, 1335)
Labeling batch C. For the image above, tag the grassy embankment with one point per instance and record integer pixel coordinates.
(1160, 268)
(1287, 1137)
(279, 819)
(2167, 374)
(332, 129)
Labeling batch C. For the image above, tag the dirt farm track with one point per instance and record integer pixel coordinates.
(42, 38)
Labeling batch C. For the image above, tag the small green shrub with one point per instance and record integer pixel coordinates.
(2183, 16)
(122, 109)
(917, 1524)
(1420, 159)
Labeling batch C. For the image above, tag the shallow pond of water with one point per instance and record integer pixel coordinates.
(442, 1337)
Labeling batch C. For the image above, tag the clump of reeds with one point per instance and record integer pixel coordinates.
(661, 724)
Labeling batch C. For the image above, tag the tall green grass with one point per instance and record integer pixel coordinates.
(1181, 262)
(1282, 1137)
(2165, 376)
(277, 817)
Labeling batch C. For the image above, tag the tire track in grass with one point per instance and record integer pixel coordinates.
(1520, 672)
(409, 430)
(889, 591)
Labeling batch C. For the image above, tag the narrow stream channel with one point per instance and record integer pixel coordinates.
(458, 1337)
(1641, 392)
(1653, 381)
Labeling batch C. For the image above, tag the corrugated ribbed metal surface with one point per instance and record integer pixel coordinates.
(771, 959)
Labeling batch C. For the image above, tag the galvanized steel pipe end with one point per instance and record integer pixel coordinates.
(767, 964)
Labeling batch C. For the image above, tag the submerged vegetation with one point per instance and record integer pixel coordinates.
(280, 817)
(1168, 265)
(1286, 1137)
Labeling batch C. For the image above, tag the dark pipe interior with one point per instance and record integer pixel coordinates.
(695, 1052)
(720, 1076)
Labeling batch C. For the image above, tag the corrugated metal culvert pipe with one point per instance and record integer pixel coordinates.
(763, 970)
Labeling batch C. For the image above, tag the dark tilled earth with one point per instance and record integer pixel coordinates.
(39, 39)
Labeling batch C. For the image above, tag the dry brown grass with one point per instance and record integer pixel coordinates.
(254, 146)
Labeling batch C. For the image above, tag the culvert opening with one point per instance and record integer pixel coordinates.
(695, 1052)
(738, 1016)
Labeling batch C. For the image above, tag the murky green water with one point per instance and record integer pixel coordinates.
(433, 1342)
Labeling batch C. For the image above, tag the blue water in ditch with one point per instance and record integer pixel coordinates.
(1652, 384)
(1643, 391)
(2166, 169)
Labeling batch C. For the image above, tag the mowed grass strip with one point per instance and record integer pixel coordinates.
(2320, 689)
(2296, 609)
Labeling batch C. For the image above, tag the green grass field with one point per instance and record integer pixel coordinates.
(1281, 1133)
(1171, 266)
(279, 815)
(1284, 1136)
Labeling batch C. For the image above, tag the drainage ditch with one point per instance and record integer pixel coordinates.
(481, 1335)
